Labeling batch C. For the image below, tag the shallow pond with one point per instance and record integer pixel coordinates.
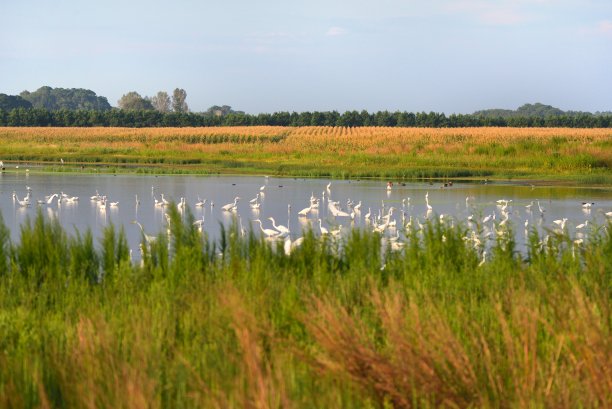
(408, 200)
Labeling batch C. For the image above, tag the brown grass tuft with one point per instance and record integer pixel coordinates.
(418, 358)
(262, 383)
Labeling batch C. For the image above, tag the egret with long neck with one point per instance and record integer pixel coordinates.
(267, 232)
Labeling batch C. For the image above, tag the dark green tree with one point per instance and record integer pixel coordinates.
(8, 102)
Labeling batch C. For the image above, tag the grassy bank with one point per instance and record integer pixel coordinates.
(239, 323)
(552, 153)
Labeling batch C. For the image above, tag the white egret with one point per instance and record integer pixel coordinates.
(164, 201)
(50, 198)
(312, 197)
(304, 212)
(22, 203)
(560, 222)
(429, 208)
(148, 238)
(582, 225)
(324, 231)
(199, 223)
(200, 202)
(231, 207)
(381, 227)
(282, 229)
(389, 214)
(289, 246)
(267, 232)
(503, 202)
(586, 205)
(335, 211)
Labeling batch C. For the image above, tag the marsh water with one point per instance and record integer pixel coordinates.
(283, 198)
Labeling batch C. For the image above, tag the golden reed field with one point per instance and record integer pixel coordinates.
(505, 150)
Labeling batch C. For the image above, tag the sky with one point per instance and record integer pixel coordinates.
(317, 55)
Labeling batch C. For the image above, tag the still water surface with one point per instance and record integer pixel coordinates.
(557, 201)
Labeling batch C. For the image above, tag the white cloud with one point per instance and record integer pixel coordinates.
(605, 27)
(336, 31)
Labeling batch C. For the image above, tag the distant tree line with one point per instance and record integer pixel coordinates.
(80, 107)
(153, 118)
(54, 99)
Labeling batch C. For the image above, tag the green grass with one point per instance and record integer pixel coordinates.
(238, 323)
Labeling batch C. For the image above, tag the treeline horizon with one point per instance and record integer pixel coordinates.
(40, 117)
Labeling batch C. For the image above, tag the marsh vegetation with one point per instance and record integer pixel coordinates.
(552, 153)
(239, 322)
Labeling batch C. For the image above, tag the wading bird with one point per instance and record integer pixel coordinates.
(231, 207)
(267, 232)
(324, 231)
(282, 229)
(304, 212)
(148, 238)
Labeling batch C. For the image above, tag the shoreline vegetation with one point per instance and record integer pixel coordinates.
(239, 322)
(554, 154)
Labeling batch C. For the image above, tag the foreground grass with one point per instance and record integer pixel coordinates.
(239, 323)
(559, 153)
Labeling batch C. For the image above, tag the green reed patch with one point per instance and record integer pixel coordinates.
(185, 321)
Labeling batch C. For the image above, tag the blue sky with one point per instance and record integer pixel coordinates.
(264, 56)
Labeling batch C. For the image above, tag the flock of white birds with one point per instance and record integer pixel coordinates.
(394, 224)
